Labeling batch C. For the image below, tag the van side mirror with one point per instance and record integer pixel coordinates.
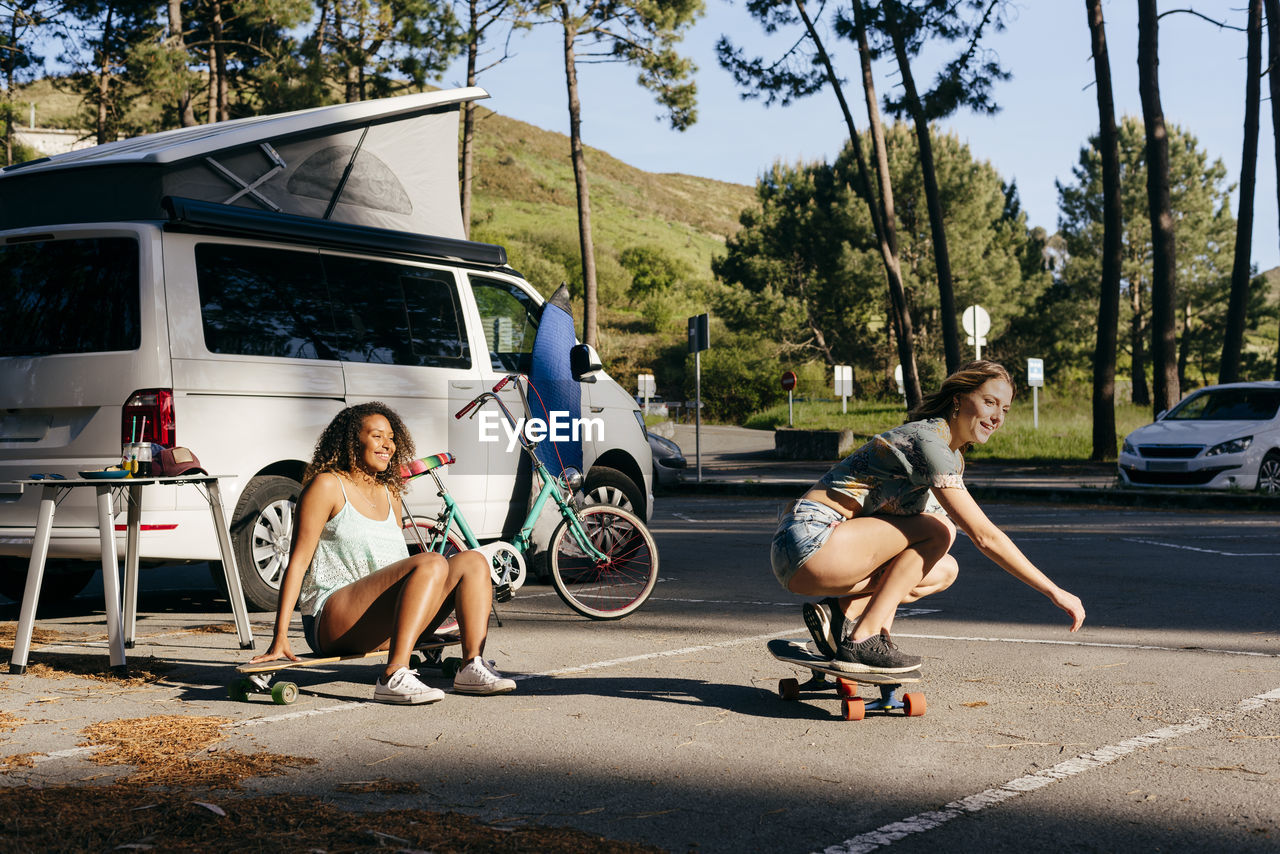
(584, 361)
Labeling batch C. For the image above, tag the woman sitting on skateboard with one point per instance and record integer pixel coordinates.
(359, 589)
(875, 531)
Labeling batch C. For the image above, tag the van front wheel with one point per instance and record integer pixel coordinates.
(609, 486)
(261, 533)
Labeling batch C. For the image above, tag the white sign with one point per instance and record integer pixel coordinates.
(977, 323)
(897, 377)
(844, 380)
(1035, 372)
(646, 386)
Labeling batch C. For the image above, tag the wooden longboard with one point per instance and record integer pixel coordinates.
(438, 642)
(798, 653)
(256, 678)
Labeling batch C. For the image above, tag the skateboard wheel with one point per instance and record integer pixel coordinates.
(450, 666)
(284, 693)
(239, 690)
(913, 704)
(853, 708)
(847, 688)
(789, 689)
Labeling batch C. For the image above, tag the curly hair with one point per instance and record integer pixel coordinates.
(971, 376)
(338, 447)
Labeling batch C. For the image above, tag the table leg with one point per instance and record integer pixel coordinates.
(110, 578)
(134, 517)
(235, 592)
(35, 577)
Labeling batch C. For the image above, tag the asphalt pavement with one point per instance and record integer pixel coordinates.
(1153, 728)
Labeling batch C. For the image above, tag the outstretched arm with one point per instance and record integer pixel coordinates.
(320, 500)
(995, 544)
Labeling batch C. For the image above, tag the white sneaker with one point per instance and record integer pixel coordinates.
(404, 687)
(479, 677)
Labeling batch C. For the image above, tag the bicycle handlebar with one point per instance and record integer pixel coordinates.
(502, 383)
(464, 410)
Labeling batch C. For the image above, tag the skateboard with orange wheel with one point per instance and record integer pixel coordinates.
(824, 677)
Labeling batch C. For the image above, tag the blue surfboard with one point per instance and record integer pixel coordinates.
(556, 389)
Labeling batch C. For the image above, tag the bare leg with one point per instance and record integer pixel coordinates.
(875, 563)
(394, 605)
(939, 578)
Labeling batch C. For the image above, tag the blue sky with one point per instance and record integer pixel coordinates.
(1049, 107)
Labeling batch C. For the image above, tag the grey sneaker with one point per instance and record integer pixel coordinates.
(876, 654)
(478, 676)
(825, 622)
(404, 688)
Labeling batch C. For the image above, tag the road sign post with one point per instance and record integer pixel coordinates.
(699, 340)
(977, 323)
(646, 387)
(1035, 379)
(789, 384)
(843, 385)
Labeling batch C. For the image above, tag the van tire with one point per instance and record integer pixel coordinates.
(63, 580)
(610, 486)
(264, 520)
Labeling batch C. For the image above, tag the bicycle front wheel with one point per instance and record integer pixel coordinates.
(612, 587)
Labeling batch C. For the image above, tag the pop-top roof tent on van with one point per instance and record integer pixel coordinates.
(390, 163)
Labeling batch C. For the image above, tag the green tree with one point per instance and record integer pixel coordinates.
(22, 24)
(1200, 206)
(808, 265)
(644, 35)
(804, 69)
(372, 48)
(98, 39)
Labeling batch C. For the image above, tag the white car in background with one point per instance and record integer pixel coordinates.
(1220, 437)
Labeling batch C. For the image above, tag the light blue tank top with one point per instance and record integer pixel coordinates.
(351, 546)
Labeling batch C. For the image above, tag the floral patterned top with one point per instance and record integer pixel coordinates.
(893, 472)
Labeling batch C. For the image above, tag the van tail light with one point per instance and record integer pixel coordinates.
(148, 416)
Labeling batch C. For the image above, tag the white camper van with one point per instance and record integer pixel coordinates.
(237, 284)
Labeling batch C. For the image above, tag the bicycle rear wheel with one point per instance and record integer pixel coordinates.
(611, 588)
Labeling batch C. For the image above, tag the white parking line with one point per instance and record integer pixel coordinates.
(1202, 551)
(923, 822)
(1093, 644)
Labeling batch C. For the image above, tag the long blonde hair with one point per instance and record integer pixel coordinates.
(940, 403)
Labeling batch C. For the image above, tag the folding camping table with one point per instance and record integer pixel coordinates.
(120, 633)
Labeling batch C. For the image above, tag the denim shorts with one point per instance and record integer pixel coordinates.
(803, 530)
(309, 622)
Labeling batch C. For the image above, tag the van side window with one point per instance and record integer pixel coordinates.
(69, 296)
(263, 302)
(395, 314)
(510, 317)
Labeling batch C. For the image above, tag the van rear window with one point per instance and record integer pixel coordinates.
(69, 296)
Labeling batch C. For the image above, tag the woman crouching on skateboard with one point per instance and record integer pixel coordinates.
(875, 531)
(359, 589)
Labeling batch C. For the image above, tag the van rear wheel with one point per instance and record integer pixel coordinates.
(261, 534)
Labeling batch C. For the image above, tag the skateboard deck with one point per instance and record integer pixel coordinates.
(256, 678)
(799, 653)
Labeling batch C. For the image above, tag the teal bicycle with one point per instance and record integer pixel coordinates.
(602, 559)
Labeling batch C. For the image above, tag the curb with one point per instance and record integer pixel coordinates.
(1236, 502)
